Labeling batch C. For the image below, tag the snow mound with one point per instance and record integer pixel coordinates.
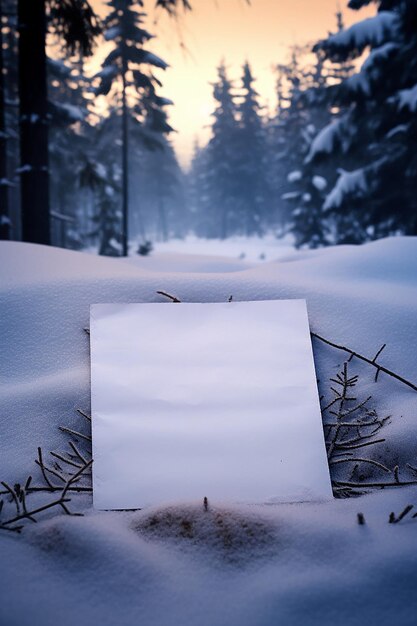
(230, 535)
(303, 564)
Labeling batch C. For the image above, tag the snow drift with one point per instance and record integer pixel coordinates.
(294, 564)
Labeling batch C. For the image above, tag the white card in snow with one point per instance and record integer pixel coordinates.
(195, 400)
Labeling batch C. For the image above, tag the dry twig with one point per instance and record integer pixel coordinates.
(361, 357)
(77, 466)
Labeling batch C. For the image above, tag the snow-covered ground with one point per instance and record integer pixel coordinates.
(295, 564)
(249, 249)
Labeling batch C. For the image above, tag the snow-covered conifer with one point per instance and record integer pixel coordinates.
(127, 73)
(373, 142)
(251, 158)
(221, 187)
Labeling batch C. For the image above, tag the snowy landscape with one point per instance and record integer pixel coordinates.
(283, 168)
(309, 563)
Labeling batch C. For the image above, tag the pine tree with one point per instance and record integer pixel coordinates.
(104, 183)
(221, 161)
(289, 136)
(100, 177)
(251, 165)
(309, 184)
(122, 73)
(376, 132)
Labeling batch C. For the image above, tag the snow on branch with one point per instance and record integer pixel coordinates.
(358, 83)
(370, 71)
(67, 113)
(348, 183)
(106, 76)
(139, 55)
(326, 140)
(112, 33)
(407, 99)
(378, 56)
(57, 68)
(350, 43)
(153, 59)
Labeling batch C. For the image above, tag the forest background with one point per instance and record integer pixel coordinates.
(87, 159)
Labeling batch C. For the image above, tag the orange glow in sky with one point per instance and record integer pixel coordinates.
(261, 32)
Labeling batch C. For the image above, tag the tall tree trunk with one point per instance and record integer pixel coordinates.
(34, 172)
(125, 148)
(4, 191)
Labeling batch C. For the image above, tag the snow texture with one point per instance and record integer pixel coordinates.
(302, 564)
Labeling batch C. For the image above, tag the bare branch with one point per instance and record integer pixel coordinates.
(359, 460)
(366, 360)
(75, 433)
(168, 295)
(84, 414)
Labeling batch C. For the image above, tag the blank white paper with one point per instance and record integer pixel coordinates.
(192, 400)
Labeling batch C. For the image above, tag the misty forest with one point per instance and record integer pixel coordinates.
(333, 160)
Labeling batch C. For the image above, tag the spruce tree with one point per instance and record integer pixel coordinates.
(307, 184)
(221, 161)
(134, 89)
(250, 157)
(374, 141)
(308, 188)
(103, 182)
(289, 134)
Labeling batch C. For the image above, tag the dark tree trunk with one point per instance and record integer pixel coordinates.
(125, 149)
(34, 174)
(4, 191)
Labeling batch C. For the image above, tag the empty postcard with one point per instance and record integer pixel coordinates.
(213, 400)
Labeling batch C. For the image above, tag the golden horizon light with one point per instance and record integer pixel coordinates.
(261, 32)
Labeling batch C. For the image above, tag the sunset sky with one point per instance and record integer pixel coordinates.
(230, 29)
